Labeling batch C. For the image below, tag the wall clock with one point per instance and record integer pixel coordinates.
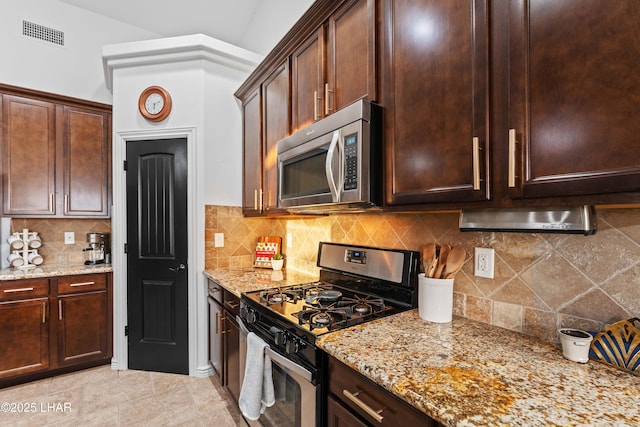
(154, 103)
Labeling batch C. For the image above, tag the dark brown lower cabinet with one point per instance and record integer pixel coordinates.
(24, 337)
(54, 325)
(232, 344)
(354, 400)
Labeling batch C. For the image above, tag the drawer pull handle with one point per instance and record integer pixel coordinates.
(82, 284)
(217, 323)
(231, 305)
(44, 312)
(60, 309)
(354, 398)
(8, 291)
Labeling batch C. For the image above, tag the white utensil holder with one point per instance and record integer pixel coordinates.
(23, 246)
(435, 299)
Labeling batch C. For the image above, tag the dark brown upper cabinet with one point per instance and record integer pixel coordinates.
(436, 100)
(56, 155)
(336, 65)
(266, 113)
(573, 98)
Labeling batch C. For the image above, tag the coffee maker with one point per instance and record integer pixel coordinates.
(99, 250)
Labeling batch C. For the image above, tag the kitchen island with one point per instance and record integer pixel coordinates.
(467, 373)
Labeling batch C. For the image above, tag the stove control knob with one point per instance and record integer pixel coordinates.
(280, 338)
(292, 346)
(250, 316)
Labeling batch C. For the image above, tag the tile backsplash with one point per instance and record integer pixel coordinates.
(51, 231)
(542, 281)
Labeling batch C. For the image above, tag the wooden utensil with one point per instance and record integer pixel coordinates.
(442, 260)
(455, 260)
(428, 257)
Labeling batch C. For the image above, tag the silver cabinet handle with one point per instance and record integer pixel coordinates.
(51, 196)
(476, 163)
(217, 323)
(255, 199)
(59, 309)
(512, 158)
(66, 203)
(327, 107)
(260, 201)
(44, 312)
(82, 284)
(9, 291)
(315, 105)
(366, 408)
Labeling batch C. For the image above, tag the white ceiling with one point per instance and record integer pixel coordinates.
(252, 24)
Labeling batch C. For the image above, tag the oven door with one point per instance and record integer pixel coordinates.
(296, 395)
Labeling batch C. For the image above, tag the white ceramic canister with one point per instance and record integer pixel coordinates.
(435, 299)
(575, 344)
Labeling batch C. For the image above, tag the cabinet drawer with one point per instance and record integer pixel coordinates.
(357, 392)
(81, 283)
(23, 289)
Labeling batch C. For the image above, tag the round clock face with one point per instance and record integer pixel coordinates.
(154, 103)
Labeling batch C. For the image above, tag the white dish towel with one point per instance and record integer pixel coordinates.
(257, 392)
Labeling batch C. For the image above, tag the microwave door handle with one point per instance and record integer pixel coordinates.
(331, 178)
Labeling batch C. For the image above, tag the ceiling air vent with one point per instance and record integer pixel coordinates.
(40, 32)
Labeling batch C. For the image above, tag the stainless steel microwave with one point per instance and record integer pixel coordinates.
(335, 164)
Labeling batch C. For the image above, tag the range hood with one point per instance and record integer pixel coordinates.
(567, 220)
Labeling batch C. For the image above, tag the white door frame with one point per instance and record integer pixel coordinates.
(197, 302)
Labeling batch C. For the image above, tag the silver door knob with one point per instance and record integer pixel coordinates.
(181, 267)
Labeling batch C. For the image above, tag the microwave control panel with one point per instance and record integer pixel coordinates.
(351, 162)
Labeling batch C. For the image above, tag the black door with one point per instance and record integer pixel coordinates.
(157, 255)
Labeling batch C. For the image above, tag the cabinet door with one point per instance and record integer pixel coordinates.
(83, 325)
(215, 338)
(86, 162)
(252, 154)
(339, 416)
(573, 97)
(275, 99)
(436, 101)
(232, 355)
(24, 337)
(307, 78)
(351, 55)
(28, 149)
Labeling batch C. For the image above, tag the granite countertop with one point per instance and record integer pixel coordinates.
(467, 373)
(52, 271)
(242, 280)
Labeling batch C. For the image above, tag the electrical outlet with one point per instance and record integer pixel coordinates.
(218, 240)
(289, 240)
(484, 262)
(69, 238)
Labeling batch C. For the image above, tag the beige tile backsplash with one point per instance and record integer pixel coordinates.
(542, 281)
(51, 231)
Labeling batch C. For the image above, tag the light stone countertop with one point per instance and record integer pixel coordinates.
(255, 279)
(53, 271)
(467, 373)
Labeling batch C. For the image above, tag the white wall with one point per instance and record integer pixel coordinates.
(73, 70)
(261, 35)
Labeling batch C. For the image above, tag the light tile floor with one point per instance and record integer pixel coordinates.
(104, 397)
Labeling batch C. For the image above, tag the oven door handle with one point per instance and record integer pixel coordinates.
(288, 365)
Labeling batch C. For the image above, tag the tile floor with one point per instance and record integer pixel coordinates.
(104, 397)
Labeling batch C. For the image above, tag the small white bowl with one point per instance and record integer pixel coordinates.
(575, 344)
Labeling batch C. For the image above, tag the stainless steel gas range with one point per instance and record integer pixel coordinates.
(357, 284)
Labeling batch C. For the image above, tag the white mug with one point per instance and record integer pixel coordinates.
(15, 260)
(35, 258)
(15, 241)
(34, 241)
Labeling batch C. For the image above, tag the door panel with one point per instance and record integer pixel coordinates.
(157, 255)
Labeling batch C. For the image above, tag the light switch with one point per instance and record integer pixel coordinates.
(218, 240)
